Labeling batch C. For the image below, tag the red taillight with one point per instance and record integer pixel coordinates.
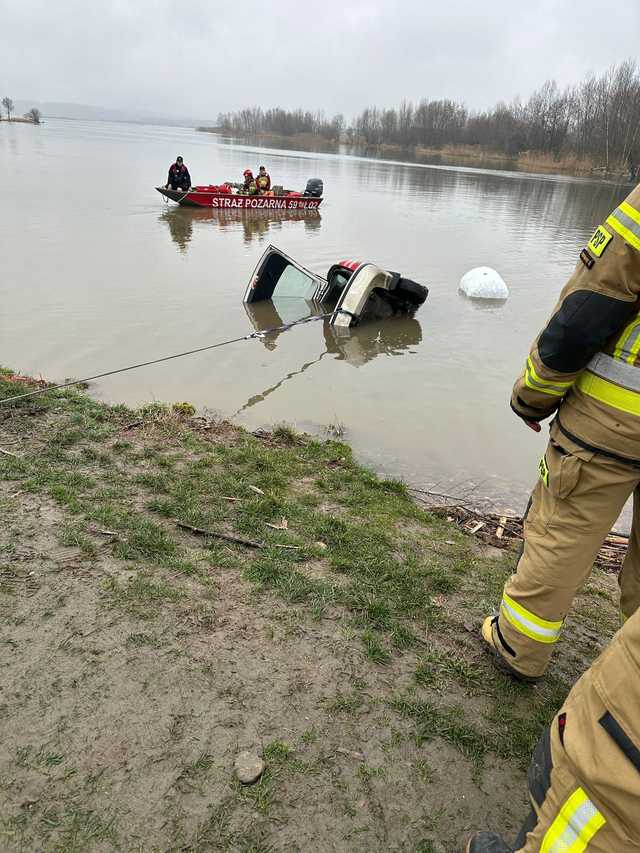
(350, 265)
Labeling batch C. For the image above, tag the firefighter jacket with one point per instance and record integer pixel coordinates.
(179, 176)
(264, 182)
(585, 364)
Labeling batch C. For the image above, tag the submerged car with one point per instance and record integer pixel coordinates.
(353, 291)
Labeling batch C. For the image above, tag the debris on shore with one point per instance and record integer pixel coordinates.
(506, 530)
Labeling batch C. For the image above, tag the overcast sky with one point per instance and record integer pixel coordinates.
(198, 57)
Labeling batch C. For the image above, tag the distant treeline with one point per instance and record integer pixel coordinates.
(598, 118)
(282, 122)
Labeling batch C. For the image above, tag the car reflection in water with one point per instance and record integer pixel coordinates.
(357, 345)
(255, 224)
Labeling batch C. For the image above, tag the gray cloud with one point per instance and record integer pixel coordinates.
(198, 57)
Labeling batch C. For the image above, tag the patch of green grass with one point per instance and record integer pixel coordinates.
(285, 433)
(41, 757)
(15, 830)
(437, 666)
(261, 796)
(277, 751)
(448, 723)
(217, 833)
(192, 776)
(346, 703)
(366, 772)
(374, 649)
(143, 595)
(73, 829)
(154, 410)
(144, 540)
(425, 845)
(72, 535)
(402, 637)
(389, 576)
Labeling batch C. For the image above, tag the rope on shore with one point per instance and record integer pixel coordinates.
(252, 336)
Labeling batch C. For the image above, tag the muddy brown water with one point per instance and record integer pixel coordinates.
(97, 272)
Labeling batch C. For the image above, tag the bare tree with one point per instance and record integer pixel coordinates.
(33, 115)
(7, 103)
(597, 119)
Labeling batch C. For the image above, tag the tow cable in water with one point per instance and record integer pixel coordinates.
(252, 336)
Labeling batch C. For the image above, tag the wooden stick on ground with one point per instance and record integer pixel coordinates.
(248, 543)
(9, 453)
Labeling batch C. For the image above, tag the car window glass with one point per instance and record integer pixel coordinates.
(293, 282)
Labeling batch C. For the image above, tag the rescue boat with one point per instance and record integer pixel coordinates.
(226, 197)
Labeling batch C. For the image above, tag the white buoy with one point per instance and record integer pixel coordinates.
(484, 283)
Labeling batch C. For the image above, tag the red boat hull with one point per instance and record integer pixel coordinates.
(228, 201)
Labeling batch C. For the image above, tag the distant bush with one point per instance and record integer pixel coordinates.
(34, 115)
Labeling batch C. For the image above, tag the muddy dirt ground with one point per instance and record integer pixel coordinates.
(138, 659)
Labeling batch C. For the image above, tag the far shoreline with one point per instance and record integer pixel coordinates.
(19, 121)
(534, 162)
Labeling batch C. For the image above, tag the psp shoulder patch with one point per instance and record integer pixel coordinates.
(599, 242)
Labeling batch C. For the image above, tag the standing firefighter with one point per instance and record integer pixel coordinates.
(584, 778)
(585, 366)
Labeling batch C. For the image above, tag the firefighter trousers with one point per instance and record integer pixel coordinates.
(576, 501)
(564, 810)
(584, 777)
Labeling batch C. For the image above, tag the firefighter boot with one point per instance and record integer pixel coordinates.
(487, 842)
(491, 637)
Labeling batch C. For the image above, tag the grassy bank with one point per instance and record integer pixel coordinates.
(338, 640)
(525, 161)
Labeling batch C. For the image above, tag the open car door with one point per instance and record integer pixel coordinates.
(277, 277)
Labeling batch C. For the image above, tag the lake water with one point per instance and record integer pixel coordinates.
(97, 272)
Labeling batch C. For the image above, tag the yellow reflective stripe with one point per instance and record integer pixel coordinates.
(574, 827)
(528, 623)
(610, 393)
(624, 337)
(633, 352)
(551, 382)
(631, 212)
(545, 386)
(626, 233)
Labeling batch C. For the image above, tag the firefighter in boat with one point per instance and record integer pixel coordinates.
(179, 177)
(249, 187)
(584, 367)
(263, 181)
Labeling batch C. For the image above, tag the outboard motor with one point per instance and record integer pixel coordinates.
(314, 188)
